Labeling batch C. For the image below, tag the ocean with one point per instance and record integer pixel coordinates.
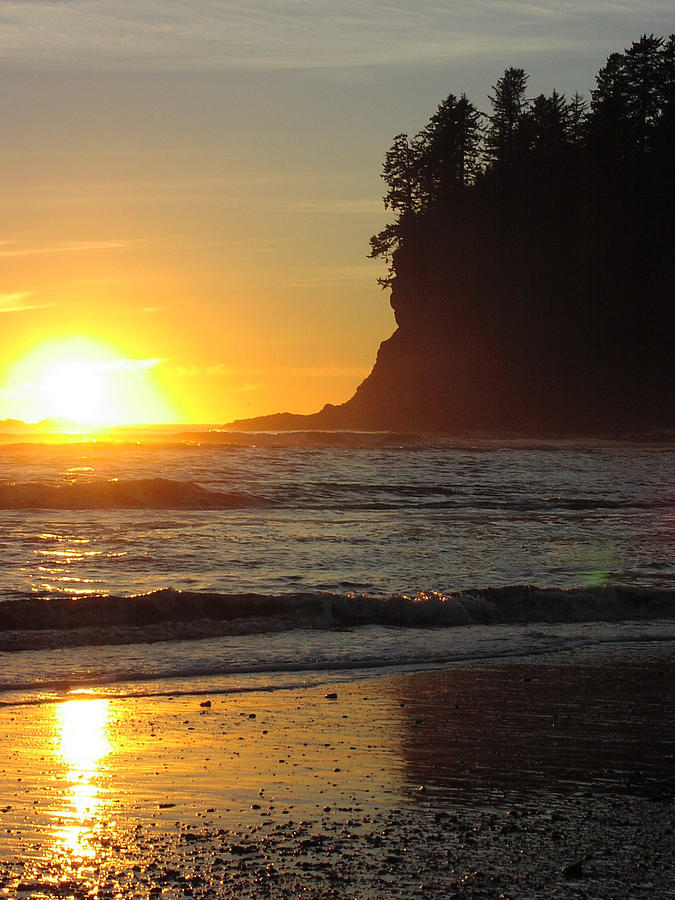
(243, 562)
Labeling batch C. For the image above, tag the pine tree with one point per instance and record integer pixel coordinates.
(508, 106)
(577, 111)
(400, 173)
(545, 127)
(627, 100)
(449, 150)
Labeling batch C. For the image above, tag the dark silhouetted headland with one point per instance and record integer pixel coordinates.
(531, 264)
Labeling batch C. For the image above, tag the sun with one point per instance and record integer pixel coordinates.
(88, 384)
(77, 390)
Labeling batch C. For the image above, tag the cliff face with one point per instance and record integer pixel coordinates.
(539, 315)
(503, 328)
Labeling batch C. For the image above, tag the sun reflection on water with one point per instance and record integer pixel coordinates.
(83, 742)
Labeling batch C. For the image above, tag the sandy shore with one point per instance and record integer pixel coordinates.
(532, 779)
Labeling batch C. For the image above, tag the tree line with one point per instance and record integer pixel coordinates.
(628, 123)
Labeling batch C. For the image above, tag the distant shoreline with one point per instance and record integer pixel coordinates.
(262, 431)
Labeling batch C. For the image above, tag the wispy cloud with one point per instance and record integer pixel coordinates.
(192, 371)
(330, 371)
(8, 249)
(239, 380)
(325, 276)
(128, 365)
(246, 388)
(338, 207)
(18, 302)
(220, 370)
(273, 34)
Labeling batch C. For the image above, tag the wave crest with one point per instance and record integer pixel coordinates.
(177, 615)
(141, 493)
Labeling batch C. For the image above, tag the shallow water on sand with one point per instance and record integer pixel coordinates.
(521, 780)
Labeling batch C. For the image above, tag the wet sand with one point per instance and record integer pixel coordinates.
(553, 777)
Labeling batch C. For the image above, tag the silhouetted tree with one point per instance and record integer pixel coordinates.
(664, 129)
(401, 174)
(628, 98)
(545, 126)
(644, 76)
(424, 172)
(449, 149)
(577, 127)
(508, 105)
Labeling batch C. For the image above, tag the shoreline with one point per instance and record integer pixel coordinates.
(267, 660)
(530, 777)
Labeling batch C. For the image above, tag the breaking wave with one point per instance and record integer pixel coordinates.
(171, 493)
(170, 615)
(142, 493)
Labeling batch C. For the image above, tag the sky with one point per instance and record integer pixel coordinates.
(187, 189)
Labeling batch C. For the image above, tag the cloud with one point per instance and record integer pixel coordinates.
(129, 365)
(339, 207)
(238, 379)
(219, 370)
(330, 371)
(116, 364)
(18, 302)
(69, 247)
(325, 276)
(277, 34)
(245, 388)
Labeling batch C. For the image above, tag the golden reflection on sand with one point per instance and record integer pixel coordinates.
(82, 744)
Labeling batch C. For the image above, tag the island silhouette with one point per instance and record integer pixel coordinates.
(531, 264)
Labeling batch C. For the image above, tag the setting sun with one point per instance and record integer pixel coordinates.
(87, 383)
(78, 390)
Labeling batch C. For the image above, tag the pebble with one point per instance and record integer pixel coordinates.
(573, 870)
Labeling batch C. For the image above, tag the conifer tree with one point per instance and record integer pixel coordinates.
(627, 100)
(449, 150)
(577, 111)
(508, 106)
(545, 127)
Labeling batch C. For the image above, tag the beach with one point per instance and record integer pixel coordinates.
(543, 777)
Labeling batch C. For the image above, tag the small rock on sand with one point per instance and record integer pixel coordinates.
(573, 870)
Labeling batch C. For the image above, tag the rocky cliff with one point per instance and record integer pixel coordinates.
(506, 329)
(532, 264)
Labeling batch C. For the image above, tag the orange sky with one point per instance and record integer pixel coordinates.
(188, 189)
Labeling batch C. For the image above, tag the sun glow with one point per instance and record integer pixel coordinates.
(85, 383)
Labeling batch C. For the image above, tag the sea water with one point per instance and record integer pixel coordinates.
(267, 559)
